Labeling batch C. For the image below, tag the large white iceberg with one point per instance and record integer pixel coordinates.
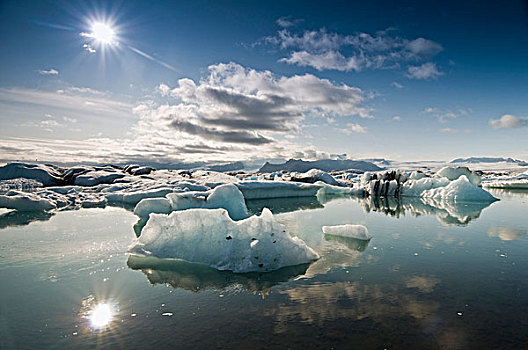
(211, 237)
(453, 173)
(459, 190)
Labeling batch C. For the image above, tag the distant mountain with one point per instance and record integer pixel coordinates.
(381, 161)
(489, 160)
(300, 165)
(226, 167)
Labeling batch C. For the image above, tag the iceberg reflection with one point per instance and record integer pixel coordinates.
(282, 205)
(447, 212)
(22, 218)
(196, 277)
(352, 243)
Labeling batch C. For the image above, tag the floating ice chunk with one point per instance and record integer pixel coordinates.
(20, 184)
(453, 173)
(414, 188)
(44, 174)
(330, 190)
(97, 177)
(65, 189)
(226, 196)
(352, 231)
(94, 202)
(276, 189)
(135, 197)
(213, 178)
(459, 190)
(510, 184)
(152, 205)
(25, 202)
(314, 175)
(211, 237)
(416, 175)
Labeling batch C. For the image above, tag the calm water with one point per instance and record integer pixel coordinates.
(433, 276)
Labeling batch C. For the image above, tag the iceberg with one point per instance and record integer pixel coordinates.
(226, 196)
(315, 175)
(25, 202)
(97, 177)
(448, 184)
(133, 198)
(348, 230)
(47, 175)
(276, 189)
(459, 190)
(211, 237)
(509, 184)
(453, 173)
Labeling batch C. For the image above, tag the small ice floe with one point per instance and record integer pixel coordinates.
(226, 196)
(352, 231)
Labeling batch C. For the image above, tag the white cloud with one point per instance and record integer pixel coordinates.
(236, 111)
(288, 21)
(326, 60)
(49, 72)
(424, 47)
(444, 115)
(236, 97)
(81, 100)
(396, 118)
(354, 128)
(425, 71)
(322, 50)
(232, 113)
(508, 121)
(449, 131)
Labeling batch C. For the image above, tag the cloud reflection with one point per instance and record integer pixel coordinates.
(507, 233)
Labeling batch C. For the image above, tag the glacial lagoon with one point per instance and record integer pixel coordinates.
(451, 277)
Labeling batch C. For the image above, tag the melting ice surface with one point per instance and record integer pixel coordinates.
(211, 237)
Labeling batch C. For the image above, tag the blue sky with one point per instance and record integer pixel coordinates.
(226, 80)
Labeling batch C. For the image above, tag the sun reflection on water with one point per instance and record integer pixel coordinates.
(101, 315)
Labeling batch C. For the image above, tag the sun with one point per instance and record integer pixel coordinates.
(103, 33)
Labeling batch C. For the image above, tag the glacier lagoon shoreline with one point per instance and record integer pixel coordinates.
(164, 193)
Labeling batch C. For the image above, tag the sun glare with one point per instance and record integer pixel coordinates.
(103, 33)
(101, 316)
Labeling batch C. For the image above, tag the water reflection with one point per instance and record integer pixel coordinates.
(197, 277)
(507, 233)
(20, 218)
(381, 303)
(450, 213)
(282, 205)
(99, 315)
(352, 243)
